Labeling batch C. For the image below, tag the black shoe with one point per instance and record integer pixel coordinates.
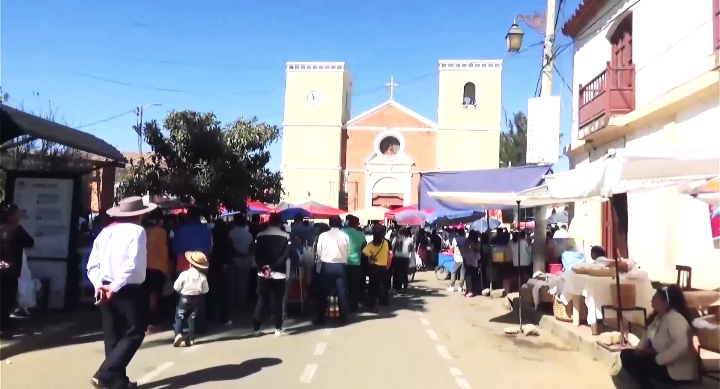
(99, 385)
(318, 322)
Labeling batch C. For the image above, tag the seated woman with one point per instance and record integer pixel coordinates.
(666, 352)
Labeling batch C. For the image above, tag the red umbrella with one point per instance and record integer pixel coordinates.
(320, 211)
(411, 217)
(391, 214)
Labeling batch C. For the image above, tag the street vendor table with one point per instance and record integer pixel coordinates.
(702, 299)
(597, 292)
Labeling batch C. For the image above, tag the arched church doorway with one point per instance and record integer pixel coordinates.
(387, 193)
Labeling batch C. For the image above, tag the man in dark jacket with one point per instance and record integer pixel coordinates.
(272, 252)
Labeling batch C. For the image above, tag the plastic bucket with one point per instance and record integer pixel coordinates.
(555, 268)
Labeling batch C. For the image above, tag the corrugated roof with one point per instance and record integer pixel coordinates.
(16, 123)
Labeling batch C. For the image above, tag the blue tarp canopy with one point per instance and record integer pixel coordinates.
(512, 179)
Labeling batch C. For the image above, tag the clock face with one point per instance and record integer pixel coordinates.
(313, 98)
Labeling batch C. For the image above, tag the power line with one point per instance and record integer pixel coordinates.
(108, 119)
(123, 83)
(562, 79)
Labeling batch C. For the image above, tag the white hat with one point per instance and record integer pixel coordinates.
(131, 206)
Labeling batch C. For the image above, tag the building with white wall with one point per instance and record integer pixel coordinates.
(646, 74)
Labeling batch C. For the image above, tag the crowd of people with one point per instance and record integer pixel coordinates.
(137, 252)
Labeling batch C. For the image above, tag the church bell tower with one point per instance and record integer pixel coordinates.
(317, 106)
(469, 114)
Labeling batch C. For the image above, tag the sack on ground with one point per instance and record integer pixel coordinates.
(27, 292)
(27, 286)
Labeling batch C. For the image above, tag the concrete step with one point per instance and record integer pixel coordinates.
(581, 339)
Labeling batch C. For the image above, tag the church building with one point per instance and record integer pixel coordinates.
(376, 157)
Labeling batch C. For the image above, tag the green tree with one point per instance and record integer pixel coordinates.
(513, 150)
(513, 141)
(196, 158)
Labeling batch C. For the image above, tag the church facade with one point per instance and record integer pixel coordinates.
(376, 157)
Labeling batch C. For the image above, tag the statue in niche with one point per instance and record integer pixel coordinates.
(390, 146)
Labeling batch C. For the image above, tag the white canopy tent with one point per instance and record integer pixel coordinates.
(523, 199)
(511, 199)
(627, 170)
(709, 198)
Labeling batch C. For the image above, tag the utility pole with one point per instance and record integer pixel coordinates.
(139, 113)
(539, 246)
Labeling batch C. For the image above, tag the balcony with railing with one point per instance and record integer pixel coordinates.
(612, 92)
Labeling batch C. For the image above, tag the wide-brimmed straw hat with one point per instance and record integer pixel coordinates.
(131, 206)
(197, 259)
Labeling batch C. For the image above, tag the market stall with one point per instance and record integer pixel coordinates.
(622, 171)
(506, 200)
(597, 288)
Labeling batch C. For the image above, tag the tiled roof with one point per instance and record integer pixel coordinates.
(582, 16)
(134, 155)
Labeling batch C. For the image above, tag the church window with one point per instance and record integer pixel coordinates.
(389, 146)
(469, 94)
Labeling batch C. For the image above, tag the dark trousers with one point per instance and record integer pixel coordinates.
(154, 284)
(216, 300)
(472, 279)
(377, 286)
(8, 298)
(269, 292)
(124, 319)
(185, 315)
(332, 277)
(400, 267)
(642, 367)
(238, 283)
(355, 283)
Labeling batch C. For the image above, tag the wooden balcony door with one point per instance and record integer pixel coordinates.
(612, 240)
(621, 44)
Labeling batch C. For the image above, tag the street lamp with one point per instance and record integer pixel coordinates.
(514, 38)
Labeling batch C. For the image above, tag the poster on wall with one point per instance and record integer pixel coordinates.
(46, 206)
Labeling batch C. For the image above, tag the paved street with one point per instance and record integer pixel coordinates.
(431, 340)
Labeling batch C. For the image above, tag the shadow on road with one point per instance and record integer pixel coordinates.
(415, 301)
(213, 374)
(47, 330)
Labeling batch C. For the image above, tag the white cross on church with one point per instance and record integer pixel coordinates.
(392, 84)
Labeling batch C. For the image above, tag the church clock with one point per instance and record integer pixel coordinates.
(313, 98)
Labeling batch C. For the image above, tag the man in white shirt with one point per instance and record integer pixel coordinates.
(116, 268)
(562, 233)
(239, 270)
(332, 253)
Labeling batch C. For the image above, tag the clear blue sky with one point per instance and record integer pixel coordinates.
(91, 60)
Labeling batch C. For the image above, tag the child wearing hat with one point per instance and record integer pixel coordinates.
(191, 284)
